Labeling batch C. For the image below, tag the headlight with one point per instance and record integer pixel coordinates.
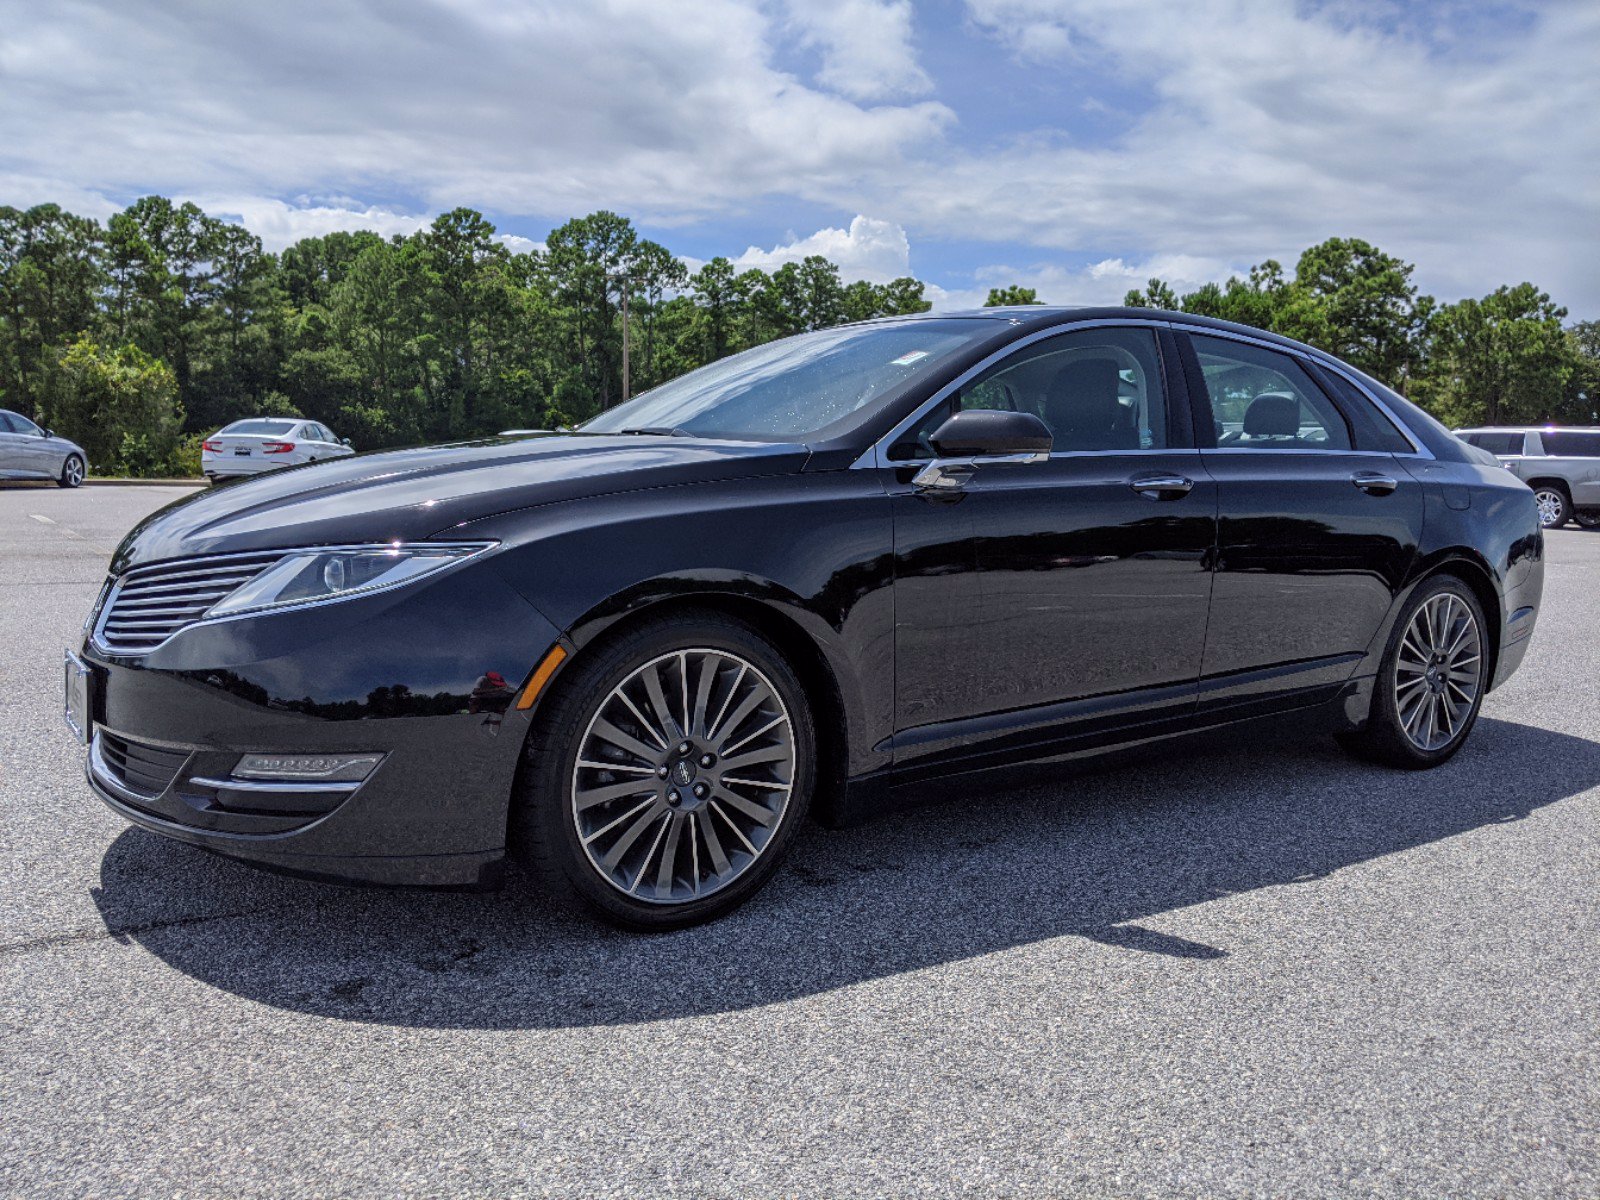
(315, 576)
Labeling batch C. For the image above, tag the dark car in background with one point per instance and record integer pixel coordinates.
(29, 452)
(823, 577)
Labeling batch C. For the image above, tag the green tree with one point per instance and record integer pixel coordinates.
(1007, 296)
(50, 278)
(121, 405)
(1502, 359)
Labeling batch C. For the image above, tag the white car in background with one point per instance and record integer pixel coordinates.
(259, 444)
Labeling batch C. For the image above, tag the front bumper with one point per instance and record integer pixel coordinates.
(399, 675)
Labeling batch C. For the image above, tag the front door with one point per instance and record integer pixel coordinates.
(1068, 591)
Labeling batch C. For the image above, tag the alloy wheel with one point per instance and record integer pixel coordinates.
(683, 776)
(1552, 506)
(74, 472)
(1438, 671)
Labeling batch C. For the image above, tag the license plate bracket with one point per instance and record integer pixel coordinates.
(78, 701)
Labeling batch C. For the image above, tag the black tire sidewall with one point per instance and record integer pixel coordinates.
(1385, 736)
(541, 812)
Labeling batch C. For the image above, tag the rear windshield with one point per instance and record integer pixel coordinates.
(262, 428)
(1571, 443)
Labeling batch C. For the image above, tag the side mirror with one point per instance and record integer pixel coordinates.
(980, 433)
(976, 437)
(47, 433)
(344, 441)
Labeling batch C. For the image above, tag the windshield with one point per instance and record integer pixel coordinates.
(269, 428)
(795, 387)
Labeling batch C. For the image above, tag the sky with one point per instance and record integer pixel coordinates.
(1074, 146)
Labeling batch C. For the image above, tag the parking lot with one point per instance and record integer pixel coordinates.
(1261, 970)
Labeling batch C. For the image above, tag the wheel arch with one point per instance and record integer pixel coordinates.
(1552, 481)
(829, 682)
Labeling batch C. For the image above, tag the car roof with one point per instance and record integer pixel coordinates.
(1042, 316)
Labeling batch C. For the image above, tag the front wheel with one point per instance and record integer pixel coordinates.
(1431, 682)
(71, 472)
(668, 773)
(1553, 505)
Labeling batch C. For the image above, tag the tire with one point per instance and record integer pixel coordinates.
(1399, 732)
(1587, 518)
(71, 472)
(720, 837)
(1554, 505)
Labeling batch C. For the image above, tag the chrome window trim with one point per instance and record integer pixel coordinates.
(206, 619)
(877, 454)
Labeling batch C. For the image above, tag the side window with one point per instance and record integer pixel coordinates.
(21, 424)
(1572, 443)
(1374, 429)
(6, 425)
(1097, 389)
(1264, 400)
(1503, 444)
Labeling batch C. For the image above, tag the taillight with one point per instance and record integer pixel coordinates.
(213, 447)
(277, 448)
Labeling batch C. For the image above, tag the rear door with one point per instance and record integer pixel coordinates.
(1318, 522)
(1070, 590)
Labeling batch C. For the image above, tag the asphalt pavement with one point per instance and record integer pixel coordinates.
(1257, 970)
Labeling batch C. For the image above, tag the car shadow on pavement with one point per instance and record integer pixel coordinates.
(1087, 856)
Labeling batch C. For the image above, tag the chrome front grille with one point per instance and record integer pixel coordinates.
(150, 604)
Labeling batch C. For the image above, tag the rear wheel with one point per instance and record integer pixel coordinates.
(1587, 518)
(1431, 683)
(668, 774)
(1553, 505)
(71, 472)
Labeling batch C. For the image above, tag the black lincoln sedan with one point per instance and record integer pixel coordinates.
(818, 578)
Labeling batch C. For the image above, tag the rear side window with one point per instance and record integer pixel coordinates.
(1263, 400)
(1571, 443)
(1497, 443)
(1374, 430)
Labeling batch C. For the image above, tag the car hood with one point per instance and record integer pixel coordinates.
(407, 495)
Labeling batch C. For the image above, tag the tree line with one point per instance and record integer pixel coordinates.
(140, 335)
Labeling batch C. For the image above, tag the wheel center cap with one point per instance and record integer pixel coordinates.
(683, 772)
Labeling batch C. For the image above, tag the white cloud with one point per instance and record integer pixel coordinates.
(668, 109)
(1105, 282)
(870, 249)
(865, 45)
(279, 224)
(1276, 125)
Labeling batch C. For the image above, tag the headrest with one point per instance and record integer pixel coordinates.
(1083, 397)
(1273, 414)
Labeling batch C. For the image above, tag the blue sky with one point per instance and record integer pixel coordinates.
(1076, 146)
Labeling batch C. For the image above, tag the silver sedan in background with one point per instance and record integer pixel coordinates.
(259, 444)
(28, 452)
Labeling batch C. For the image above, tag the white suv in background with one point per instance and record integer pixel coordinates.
(259, 444)
(1562, 466)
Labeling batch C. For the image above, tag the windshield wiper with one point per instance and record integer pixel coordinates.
(657, 431)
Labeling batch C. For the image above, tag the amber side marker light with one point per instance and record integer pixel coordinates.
(541, 676)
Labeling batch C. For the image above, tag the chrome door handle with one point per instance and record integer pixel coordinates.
(1373, 483)
(1161, 487)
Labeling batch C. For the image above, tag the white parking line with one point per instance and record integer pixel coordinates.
(41, 517)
